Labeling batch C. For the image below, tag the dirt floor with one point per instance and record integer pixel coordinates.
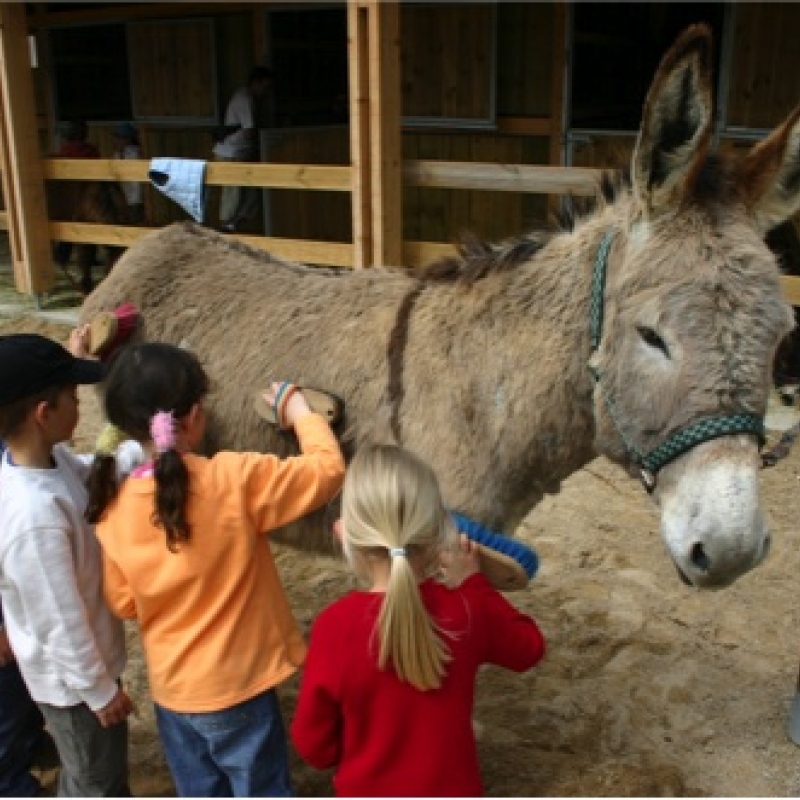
(649, 688)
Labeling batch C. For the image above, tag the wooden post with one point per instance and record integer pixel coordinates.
(375, 146)
(20, 158)
(557, 96)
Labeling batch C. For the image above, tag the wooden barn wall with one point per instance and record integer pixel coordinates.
(524, 59)
(172, 68)
(432, 214)
(447, 54)
(304, 214)
(445, 61)
(765, 75)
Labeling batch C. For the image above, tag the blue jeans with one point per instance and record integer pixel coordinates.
(238, 752)
(21, 733)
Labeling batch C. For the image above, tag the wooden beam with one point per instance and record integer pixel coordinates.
(218, 173)
(559, 66)
(306, 251)
(360, 151)
(791, 289)
(375, 145)
(387, 188)
(502, 177)
(130, 11)
(23, 181)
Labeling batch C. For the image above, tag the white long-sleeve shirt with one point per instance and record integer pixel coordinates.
(69, 646)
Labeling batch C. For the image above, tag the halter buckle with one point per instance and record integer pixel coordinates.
(648, 480)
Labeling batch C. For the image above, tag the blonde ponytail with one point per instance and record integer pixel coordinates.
(392, 508)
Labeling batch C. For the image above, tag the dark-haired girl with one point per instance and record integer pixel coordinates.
(184, 553)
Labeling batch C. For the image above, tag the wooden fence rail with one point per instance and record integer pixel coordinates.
(442, 174)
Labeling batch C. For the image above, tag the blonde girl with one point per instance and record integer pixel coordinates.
(388, 687)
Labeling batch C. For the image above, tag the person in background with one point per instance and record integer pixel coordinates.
(238, 142)
(74, 144)
(387, 690)
(126, 146)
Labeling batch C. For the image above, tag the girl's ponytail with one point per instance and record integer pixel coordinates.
(172, 481)
(408, 637)
(392, 508)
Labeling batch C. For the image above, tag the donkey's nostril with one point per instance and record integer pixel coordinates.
(699, 558)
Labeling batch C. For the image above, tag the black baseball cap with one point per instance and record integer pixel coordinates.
(30, 363)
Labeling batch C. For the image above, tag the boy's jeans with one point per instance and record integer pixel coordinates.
(21, 731)
(238, 752)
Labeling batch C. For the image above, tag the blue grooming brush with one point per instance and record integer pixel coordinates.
(507, 563)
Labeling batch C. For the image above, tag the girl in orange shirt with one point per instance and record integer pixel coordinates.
(185, 553)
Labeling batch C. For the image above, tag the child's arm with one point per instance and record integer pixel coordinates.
(282, 490)
(117, 590)
(40, 565)
(512, 639)
(317, 724)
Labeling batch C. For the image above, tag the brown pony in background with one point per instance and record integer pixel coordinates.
(100, 202)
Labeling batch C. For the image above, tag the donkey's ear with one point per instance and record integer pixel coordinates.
(769, 175)
(676, 123)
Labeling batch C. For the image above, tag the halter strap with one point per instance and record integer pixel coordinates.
(679, 441)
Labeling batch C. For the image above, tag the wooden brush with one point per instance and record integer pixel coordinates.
(109, 329)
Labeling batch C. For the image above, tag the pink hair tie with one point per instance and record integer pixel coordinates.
(162, 431)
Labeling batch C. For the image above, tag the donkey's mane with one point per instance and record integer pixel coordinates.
(712, 189)
(478, 259)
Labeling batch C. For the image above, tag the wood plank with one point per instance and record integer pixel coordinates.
(791, 289)
(441, 174)
(560, 57)
(386, 159)
(360, 150)
(419, 254)
(335, 254)
(502, 177)
(525, 126)
(129, 11)
(23, 182)
(280, 176)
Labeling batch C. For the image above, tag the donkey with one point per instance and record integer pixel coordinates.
(645, 332)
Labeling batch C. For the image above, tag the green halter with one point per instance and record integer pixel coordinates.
(679, 441)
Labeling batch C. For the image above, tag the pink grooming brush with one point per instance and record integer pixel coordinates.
(110, 329)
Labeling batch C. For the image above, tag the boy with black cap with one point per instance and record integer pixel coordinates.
(69, 647)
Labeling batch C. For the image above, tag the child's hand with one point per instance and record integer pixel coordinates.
(79, 341)
(459, 562)
(295, 408)
(116, 711)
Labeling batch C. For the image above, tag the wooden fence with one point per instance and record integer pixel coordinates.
(548, 180)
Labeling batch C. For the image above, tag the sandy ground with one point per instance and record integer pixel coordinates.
(649, 688)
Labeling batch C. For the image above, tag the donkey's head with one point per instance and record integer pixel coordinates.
(692, 316)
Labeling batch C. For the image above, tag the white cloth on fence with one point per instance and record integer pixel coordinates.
(182, 180)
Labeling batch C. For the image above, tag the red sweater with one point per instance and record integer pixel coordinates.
(386, 738)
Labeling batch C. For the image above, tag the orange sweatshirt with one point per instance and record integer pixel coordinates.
(214, 620)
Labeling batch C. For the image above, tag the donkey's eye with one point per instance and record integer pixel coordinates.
(652, 339)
